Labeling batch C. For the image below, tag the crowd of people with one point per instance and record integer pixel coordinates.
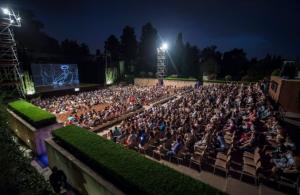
(81, 108)
(221, 119)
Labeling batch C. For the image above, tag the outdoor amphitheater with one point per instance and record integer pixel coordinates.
(154, 115)
(227, 135)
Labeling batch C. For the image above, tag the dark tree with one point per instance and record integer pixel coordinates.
(112, 49)
(179, 56)
(73, 50)
(210, 60)
(288, 70)
(192, 61)
(129, 48)
(234, 63)
(147, 50)
(31, 37)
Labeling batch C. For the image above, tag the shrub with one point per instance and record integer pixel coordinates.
(17, 175)
(128, 170)
(180, 78)
(32, 114)
(276, 72)
(212, 76)
(228, 78)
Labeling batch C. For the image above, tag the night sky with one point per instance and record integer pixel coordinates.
(258, 26)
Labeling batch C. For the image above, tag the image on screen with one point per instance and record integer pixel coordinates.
(54, 74)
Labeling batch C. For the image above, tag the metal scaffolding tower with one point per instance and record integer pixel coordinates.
(10, 76)
(161, 63)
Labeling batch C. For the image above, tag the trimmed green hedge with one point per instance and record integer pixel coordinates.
(32, 114)
(181, 78)
(128, 170)
(223, 81)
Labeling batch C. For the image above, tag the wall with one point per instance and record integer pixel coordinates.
(179, 83)
(287, 93)
(145, 81)
(275, 87)
(81, 177)
(153, 82)
(32, 137)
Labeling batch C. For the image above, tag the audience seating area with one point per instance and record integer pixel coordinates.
(82, 109)
(230, 130)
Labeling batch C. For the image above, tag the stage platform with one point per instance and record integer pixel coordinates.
(65, 89)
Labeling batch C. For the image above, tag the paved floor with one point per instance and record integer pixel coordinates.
(230, 185)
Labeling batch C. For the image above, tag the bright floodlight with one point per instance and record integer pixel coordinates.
(6, 11)
(164, 46)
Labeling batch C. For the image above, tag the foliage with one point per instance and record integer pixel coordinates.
(111, 75)
(247, 78)
(129, 78)
(129, 48)
(212, 76)
(112, 49)
(276, 72)
(228, 78)
(31, 113)
(147, 49)
(224, 81)
(128, 170)
(17, 175)
(180, 78)
(28, 85)
(288, 71)
(140, 56)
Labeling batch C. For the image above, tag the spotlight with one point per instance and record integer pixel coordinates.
(164, 46)
(11, 21)
(6, 11)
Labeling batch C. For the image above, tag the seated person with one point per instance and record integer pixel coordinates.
(220, 142)
(249, 143)
(175, 147)
(131, 141)
(143, 139)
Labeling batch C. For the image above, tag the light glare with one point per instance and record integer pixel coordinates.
(6, 11)
(164, 46)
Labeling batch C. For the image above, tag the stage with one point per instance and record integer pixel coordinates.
(51, 90)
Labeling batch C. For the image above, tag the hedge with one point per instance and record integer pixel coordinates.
(181, 78)
(127, 169)
(32, 114)
(223, 81)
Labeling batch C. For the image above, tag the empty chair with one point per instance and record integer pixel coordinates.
(197, 158)
(222, 165)
(251, 171)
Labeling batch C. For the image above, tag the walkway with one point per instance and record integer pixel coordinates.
(230, 185)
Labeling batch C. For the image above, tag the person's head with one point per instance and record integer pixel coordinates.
(54, 169)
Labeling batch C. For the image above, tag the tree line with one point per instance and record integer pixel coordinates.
(139, 55)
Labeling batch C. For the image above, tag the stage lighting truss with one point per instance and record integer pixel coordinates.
(10, 76)
(11, 18)
(161, 61)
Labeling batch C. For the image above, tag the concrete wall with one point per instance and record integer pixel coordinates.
(32, 137)
(145, 81)
(179, 83)
(287, 93)
(275, 87)
(153, 82)
(81, 177)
